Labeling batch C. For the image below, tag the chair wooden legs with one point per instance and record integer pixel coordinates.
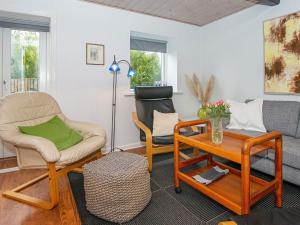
(53, 175)
(149, 157)
(53, 184)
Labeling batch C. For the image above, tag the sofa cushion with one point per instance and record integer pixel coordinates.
(282, 116)
(246, 132)
(291, 152)
(290, 147)
(298, 130)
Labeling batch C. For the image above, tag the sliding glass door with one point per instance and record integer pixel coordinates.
(23, 60)
(23, 64)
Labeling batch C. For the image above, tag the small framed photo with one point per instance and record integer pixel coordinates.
(94, 54)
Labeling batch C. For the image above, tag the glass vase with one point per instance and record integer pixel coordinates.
(216, 130)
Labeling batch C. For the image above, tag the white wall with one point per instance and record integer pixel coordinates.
(231, 49)
(233, 52)
(84, 91)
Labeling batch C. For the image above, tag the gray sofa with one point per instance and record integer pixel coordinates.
(282, 116)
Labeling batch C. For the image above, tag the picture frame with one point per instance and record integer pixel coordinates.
(95, 54)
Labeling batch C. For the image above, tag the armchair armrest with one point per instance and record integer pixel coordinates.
(142, 126)
(45, 147)
(86, 129)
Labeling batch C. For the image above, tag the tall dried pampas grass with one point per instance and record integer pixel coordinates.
(194, 84)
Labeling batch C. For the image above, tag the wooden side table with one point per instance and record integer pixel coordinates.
(237, 190)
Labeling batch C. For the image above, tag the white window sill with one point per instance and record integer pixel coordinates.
(131, 93)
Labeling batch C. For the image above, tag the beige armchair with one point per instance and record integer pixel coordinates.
(31, 108)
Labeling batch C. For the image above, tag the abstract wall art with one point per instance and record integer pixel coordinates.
(282, 55)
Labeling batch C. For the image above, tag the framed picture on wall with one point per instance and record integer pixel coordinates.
(94, 54)
(282, 54)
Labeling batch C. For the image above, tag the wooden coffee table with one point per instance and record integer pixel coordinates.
(237, 190)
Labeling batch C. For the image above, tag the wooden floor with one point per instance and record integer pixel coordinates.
(14, 213)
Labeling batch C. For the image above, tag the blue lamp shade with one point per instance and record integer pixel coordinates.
(114, 67)
(131, 72)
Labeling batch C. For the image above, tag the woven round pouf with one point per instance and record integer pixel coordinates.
(117, 186)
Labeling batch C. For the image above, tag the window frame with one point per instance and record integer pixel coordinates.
(5, 61)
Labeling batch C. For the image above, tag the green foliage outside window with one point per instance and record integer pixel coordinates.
(147, 67)
(30, 62)
(24, 54)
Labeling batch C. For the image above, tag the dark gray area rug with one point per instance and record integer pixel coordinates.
(189, 207)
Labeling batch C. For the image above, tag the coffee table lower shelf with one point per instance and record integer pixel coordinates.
(227, 189)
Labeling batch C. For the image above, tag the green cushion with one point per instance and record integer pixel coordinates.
(54, 130)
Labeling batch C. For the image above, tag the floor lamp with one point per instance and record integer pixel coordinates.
(115, 68)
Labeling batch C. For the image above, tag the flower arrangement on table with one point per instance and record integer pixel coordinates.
(218, 109)
(216, 112)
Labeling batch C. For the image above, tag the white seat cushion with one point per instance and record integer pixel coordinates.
(81, 150)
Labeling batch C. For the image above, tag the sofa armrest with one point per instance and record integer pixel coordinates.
(45, 147)
(86, 129)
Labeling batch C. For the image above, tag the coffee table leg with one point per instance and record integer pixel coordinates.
(176, 165)
(245, 176)
(278, 171)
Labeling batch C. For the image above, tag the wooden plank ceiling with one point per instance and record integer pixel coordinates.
(197, 12)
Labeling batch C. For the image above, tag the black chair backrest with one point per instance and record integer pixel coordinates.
(148, 99)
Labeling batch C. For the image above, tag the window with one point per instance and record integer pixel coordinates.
(148, 58)
(24, 61)
(24, 52)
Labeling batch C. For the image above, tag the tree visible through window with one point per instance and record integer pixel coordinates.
(148, 67)
(24, 61)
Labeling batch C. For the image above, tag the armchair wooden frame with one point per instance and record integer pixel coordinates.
(53, 174)
(153, 149)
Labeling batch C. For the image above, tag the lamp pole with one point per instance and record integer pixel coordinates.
(113, 113)
(115, 68)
